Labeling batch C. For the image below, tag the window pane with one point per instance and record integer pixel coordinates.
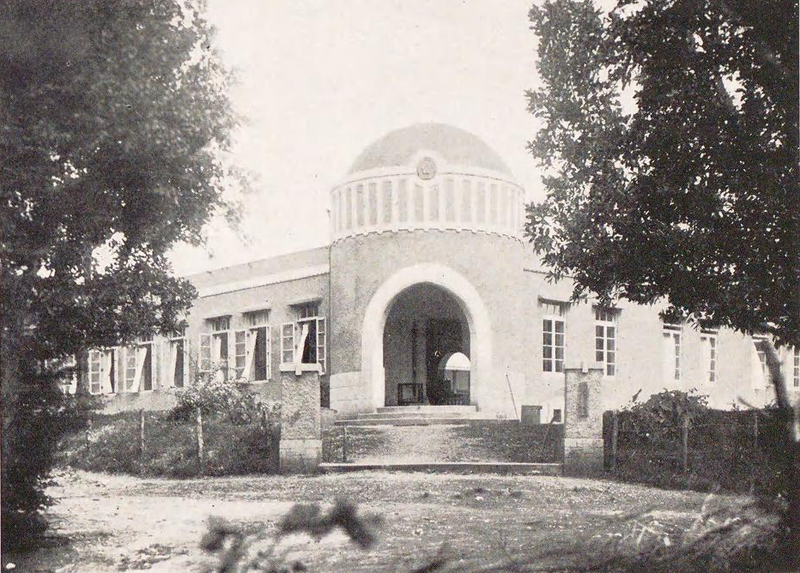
(559, 326)
(559, 353)
(547, 325)
(547, 351)
(547, 365)
(599, 331)
(547, 339)
(598, 356)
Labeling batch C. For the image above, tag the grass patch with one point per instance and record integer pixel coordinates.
(112, 445)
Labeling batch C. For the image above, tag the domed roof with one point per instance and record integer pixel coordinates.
(455, 145)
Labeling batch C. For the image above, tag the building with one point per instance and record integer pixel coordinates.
(427, 294)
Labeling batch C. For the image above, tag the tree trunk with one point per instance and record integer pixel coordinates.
(789, 418)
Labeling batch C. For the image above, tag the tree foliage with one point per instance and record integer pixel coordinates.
(669, 141)
(114, 121)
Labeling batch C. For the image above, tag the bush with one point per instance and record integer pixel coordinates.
(112, 446)
(42, 416)
(235, 401)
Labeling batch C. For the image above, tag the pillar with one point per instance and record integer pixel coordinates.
(300, 445)
(583, 421)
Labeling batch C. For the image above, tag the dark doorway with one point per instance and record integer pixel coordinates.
(442, 337)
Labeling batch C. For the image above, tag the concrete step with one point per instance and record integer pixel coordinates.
(417, 420)
(449, 467)
(412, 414)
(427, 409)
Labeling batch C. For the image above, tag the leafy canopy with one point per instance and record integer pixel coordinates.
(669, 143)
(114, 117)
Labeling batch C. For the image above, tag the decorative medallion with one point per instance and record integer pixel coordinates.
(426, 168)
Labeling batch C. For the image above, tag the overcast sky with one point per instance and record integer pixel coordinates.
(319, 81)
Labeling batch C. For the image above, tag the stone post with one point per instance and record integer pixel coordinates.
(300, 445)
(583, 421)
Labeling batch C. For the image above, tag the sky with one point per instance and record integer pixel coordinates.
(319, 81)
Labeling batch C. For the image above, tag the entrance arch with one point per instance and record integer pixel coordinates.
(377, 312)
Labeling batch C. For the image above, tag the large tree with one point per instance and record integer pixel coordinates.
(113, 122)
(669, 141)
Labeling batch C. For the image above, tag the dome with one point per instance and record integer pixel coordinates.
(454, 145)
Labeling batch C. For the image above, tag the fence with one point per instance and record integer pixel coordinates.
(152, 443)
(732, 450)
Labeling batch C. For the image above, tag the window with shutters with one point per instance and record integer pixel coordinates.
(252, 353)
(215, 350)
(605, 337)
(176, 360)
(313, 328)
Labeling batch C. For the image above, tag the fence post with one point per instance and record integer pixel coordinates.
(614, 438)
(199, 430)
(88, 431)
(685, 443)
(141, 439)
(344, 443)
(755, 428)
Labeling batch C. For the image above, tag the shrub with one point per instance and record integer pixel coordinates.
(42, 416)
(235, 401)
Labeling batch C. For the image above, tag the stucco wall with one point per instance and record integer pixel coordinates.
(491, 264)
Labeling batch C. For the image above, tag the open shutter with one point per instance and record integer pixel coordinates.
(756, 372)
(157, 365)
(287, 343)
(141, 352)
(268, 345)
(105, 371)
(250, 354)
(172, 353)
(321, 342)
(205, 353)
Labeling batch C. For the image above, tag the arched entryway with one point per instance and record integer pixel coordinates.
(425, 326)
(464, 328)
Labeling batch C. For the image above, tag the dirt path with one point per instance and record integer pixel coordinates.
(119, 523)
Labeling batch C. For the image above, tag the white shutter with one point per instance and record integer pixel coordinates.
(205, 353)
(250, 354)
(756, 372)
(268, 345)
(106, 357)
(287, 343)
(156, 365)
(172, 348)
(141, 352)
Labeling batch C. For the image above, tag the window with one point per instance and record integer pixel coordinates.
(672, 335)
(314, 345)
(145, 363)
(762, 359)
(796, 367)
(214, 351)
(606, 339)
(252, 348)
(708, 338)
(553, 344)
(177, 362)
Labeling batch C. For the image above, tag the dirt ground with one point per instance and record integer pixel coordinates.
(121, 523)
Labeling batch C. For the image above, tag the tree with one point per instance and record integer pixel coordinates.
(670, 145)
(114, 120)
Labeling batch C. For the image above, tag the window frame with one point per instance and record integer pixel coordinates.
(674, 331)
(709, 340)
(605, 318)
(290, 333)
(553, 346)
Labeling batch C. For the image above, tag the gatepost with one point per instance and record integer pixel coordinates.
(300, 445)
(583, 421)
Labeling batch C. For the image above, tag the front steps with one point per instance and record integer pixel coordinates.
(417, 415)
(502, 468)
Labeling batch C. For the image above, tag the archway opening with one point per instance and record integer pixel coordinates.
(424, 326)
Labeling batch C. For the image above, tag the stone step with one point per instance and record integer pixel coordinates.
(427, 409)
(417, 420)
(412, 414)
(449, 467)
